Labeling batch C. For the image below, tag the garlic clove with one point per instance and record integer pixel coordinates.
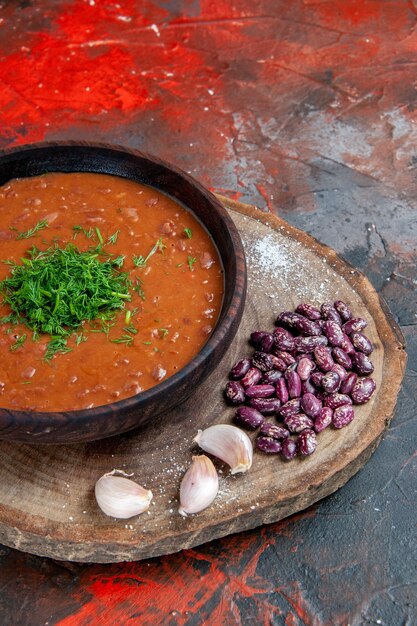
(199, 486)
(228, 443)
(120, 497)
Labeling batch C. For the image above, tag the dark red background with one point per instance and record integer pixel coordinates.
(305, 108)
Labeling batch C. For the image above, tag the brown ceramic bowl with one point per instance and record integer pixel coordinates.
(119, 417)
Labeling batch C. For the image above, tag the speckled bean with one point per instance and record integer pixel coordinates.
(234, 392)
(324, 419)
(262, 361)
(307, 442)
(363, 390)
(340, 371)
(292, 407)
(362, 364)
(285, 356)
(282, 390)
(268, 445)
(310, 405)
(333, 332)
(309, 344)
(309, 311)
(266, 406)
(294, 384)
(274, 430)
(341, 357)
(354, 325)
(260, 391)
(330, 382)
(361, 343)
(252, 376)
(304, 368)
(343, 310)
(334, 400)
(240, 368)
(283, 339)
(323, 358)
(277, 363)
(328, 312)
(316, 378)
(348, 384)
(271, 377)
(289, 449)
(249, 417)
(297, 423)
(343, 415)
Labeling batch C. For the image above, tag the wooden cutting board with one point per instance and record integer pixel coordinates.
(47, 504)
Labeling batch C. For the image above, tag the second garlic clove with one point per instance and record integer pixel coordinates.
(228, 443)
(120, 497)
(199, 486)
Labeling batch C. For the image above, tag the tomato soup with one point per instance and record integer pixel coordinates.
(174, 298)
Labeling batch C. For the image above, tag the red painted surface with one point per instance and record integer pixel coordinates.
(307, 107)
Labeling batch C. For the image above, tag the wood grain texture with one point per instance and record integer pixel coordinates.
(47, 503)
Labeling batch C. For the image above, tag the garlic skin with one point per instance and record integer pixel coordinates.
(199, 486)
(228, 443)
(120, 497)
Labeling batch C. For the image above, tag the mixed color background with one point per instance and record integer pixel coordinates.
(302, 108)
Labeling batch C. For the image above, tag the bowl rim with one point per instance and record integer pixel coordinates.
(224, 322)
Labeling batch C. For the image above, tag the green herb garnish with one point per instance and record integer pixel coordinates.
(138, 289)
(127, 339)
(113, 237)
(54, 291)
(131, 329)
(140, 261)
(163, 332)
(191, 260)
(32, 231)
(79, 229)
(18, 343)
(188, 232)
(57, 344)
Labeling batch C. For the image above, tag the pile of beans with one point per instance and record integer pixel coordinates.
(308, 373)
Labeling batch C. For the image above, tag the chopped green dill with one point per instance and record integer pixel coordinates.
(127, 339)
(99, 235)
(80, 339)
(179, 264)
(113, 237)
(156, 349)
(32, 231)
(147, 343)
(18, 343)
(131, 329)
(54, 291)
(138, 289)
(26, 382)
(163, 332)
(191, 260)
(188, 232)
(79, 229)
(57, 344)
(118, 261)
(140, 261)
(128, 316)
(7, 262)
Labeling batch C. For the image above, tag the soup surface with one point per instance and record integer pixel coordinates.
(174, 299)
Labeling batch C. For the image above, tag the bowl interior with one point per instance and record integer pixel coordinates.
(102, 421)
